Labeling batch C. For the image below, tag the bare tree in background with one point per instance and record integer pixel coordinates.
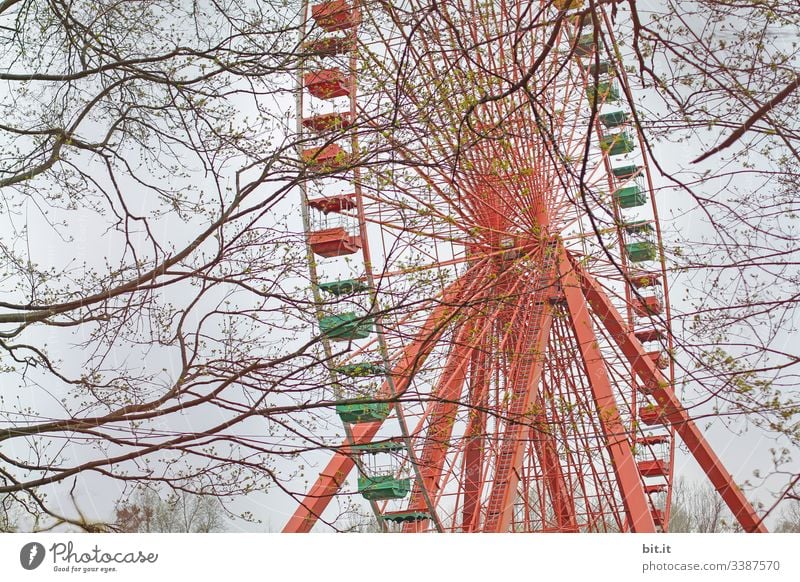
(789, 518)
(697, 508)
(181, 512)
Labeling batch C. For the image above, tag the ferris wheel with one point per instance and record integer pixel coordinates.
(486, 260)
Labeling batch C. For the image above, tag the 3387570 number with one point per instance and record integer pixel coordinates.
(754, 565)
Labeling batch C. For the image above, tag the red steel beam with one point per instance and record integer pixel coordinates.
(634, 498)
(658, 386)
(442, 417)
(475, 437)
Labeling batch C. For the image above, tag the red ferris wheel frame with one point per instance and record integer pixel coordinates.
(560, 296)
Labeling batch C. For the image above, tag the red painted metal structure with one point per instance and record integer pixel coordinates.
(534, 391)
